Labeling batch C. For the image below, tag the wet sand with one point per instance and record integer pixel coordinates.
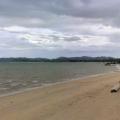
(88, 99)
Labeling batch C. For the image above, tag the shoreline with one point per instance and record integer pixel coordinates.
(56, 83)
(87, 99)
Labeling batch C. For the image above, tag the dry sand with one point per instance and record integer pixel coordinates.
(88, 99)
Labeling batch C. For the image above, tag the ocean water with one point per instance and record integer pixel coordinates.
(15, 76)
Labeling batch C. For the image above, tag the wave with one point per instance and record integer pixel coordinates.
(118, 67)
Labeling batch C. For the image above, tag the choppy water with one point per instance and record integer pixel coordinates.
(16, 76)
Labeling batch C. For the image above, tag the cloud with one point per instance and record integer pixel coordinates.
(77, 27)
(41, 12)
(21, 37)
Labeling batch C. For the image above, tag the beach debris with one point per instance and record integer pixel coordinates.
(116, 88)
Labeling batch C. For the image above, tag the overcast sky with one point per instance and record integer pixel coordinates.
(53, 28)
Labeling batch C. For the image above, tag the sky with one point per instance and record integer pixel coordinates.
(54, 28)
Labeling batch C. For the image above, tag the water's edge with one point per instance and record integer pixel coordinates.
(57, 83)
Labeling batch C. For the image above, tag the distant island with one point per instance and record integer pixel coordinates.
(109, 60)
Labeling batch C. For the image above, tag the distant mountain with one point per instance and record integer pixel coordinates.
(62, 59)
(84, 59)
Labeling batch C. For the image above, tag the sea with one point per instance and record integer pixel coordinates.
(17, 76)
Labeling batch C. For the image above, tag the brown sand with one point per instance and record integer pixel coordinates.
(88, 99)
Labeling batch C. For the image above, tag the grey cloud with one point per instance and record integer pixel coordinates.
(72, 39)
(37, 8)
(86, 1)
(71, 17)
(115, 38)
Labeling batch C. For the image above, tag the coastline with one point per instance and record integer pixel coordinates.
(77, 99)
(56, 83)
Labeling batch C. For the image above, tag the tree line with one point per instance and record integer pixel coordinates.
(63, 59)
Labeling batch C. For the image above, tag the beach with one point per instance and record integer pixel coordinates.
(86, 99)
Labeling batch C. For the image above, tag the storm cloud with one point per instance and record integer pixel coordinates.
(52, 28)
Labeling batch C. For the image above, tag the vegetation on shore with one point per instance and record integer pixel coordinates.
(109, 60)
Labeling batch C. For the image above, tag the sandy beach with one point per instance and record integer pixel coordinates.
(88, 99)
